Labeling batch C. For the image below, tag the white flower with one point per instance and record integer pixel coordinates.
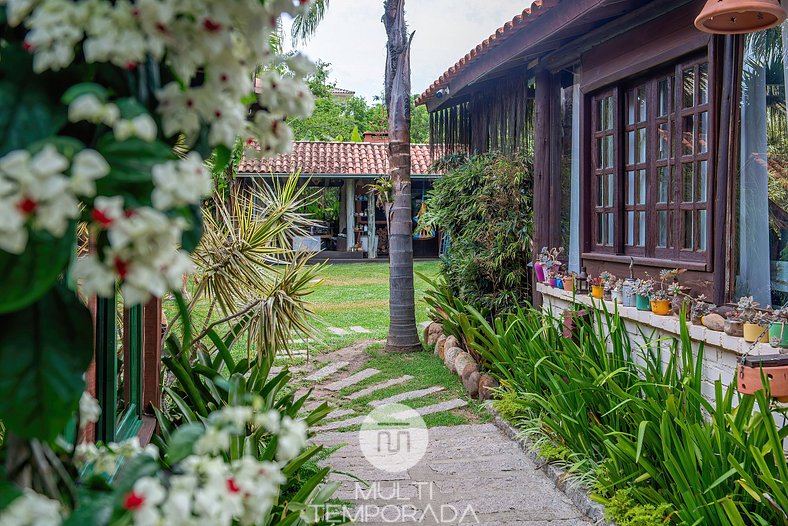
(179, 183)
(13, 233)
(95, 277)
(142, 126)
(89, 108)
(89, 410)
(17, 10)
(114, 35)
(86, 167)
(237, 416)
(31, 509)
(144, 499)
(178, 109)
(55, 29)
(268, 420)
(213, 441)
(292, 439)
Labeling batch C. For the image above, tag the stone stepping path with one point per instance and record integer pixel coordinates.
(360, 330)
(464, 466)
(337, 331)
(326, 371)
(339, 424)
(353, 379)
(434, 408)
(339, 413)
(407, 395)
(377, 387)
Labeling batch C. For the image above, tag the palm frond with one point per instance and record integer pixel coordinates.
(305, 25)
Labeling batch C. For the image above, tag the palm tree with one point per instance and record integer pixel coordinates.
(403, 336)
(305, 25)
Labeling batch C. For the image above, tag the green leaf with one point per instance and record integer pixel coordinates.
(28, 276)
(193, 233)
(130, 108)
(182, 442)
(221, 159)
(27, 113)
(84, 88)
(94, 509)
(131, 162)
(8, 493)
(44, 352)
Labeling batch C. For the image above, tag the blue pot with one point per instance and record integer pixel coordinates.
(628, 295)
(559, 283)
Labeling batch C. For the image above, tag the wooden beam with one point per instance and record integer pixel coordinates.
(151, 355)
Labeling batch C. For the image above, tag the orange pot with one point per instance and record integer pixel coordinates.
(597, 291)
(661, 307)
(773, 366)
(569, 284)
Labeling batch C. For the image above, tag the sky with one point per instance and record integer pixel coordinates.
(353, 40)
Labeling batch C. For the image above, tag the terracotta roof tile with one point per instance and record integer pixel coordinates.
(538, 8)
(352, 158)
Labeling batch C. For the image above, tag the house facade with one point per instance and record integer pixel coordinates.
(656, 146)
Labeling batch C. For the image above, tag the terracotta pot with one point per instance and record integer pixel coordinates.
(597, 291)
(660, 307)
(734, 327)
(773, 366)
(754, 332)
(539, 272)
(734, 17)
(778, 334)
(642, 302)
(569, 284)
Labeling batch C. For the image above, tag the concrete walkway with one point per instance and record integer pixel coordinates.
(470, 474)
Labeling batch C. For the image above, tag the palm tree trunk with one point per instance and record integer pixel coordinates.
(403, 336)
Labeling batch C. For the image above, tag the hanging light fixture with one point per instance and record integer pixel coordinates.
(733, 17)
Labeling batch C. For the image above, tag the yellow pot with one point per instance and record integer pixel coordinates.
(597, 291)
(754, 332)
(661, 307)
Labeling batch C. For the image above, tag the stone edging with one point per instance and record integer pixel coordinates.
(577, 494)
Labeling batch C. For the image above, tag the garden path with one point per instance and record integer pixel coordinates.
(471, 473)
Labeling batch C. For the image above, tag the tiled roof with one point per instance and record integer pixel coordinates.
(529, 14)
(351, 158)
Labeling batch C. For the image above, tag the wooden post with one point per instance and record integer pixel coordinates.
(542, 165)
(151, 355)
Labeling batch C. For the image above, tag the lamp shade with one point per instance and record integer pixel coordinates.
(732, 17)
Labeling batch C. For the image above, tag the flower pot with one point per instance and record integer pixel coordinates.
(627, 295)
(778, 334)
(734, 327)
(772, 366)
(642, 302)
(618, 295)
(569, 284)
(696, 318)
(677, 302)
(755, 333)
(539, 272)
(660, 307)
(607, 294)
(551, 282)
(597, 291)
(559, 283)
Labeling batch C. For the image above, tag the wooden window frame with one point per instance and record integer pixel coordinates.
(672, 255)
(607, 208)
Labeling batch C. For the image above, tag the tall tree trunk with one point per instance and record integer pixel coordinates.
(403, 336)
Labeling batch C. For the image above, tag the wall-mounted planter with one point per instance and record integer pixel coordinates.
(734, 327)
(597, 292)
(755, 333)
(773, 366)
(642, 302)
(778, 335)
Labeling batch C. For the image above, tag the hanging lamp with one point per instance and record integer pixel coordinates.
(733, 17)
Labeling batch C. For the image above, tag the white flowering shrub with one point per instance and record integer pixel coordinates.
(96, 98)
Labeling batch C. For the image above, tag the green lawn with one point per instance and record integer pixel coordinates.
(349, 295)
(357, 295)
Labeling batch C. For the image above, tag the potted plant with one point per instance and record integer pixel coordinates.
(753, 369)
(608, 282)
(778, 330)
(734, 325)
(542, 264)
(699, 308)
(660, 302)
(597, 287)
(628, 293)
(643, 289)
(569, 282)
(756, 328)
(679, 298)
(559, 281)
(551, 280)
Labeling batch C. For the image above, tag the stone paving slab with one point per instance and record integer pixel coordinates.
(435, 408)
(353, 379)
(407, 395)
(326, 371)
(337, 331)
(377, 387)
(339, 413)
(473, 465)
(359, 329)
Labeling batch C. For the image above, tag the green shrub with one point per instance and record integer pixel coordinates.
(508, 404)
(624, 510)
(485, 206)
(637, 425)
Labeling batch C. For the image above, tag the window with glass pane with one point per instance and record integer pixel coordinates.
(665, 175)
(604, 160)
